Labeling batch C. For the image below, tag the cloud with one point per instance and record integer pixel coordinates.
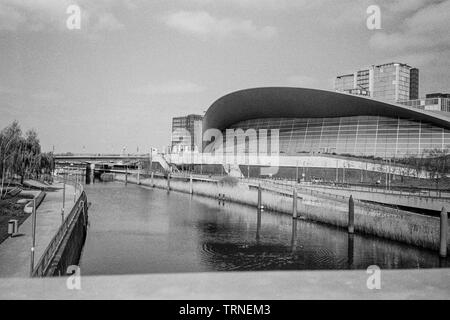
(204, 25)
(8, 90)
(426, 28)
(406, 6)
(106, 22)
(256, 4)
(10, 18)
(46, 96)
(51, 15)
(170, 88)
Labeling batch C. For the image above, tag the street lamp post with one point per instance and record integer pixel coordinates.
(33, 243)
(64, 195)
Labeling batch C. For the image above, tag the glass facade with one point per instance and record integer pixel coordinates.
(364, 136)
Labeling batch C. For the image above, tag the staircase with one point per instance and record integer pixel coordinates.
(233, 170)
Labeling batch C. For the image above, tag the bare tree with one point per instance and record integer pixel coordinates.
(437, 163)
(21, 156)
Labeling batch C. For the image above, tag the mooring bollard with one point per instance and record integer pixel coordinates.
(444, 233)
(351, 215)
(294, 204)
(191, 186)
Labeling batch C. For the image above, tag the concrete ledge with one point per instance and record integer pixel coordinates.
(29, 206)
(298, 285)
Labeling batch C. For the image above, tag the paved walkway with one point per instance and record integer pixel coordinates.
(15, 252)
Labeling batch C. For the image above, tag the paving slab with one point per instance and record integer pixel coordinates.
(15, 253)
(295, 285)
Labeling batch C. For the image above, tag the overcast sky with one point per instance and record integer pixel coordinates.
(134, 65)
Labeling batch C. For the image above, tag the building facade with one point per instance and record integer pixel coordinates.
(313, 122)
(432, 102)
(186, 133)
(389, 82)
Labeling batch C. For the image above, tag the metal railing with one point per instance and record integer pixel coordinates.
(80, 206)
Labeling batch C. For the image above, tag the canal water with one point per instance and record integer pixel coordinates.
(137, 230)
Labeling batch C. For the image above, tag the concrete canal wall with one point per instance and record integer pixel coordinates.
(69, 252)
(415, 229)
(66, 246)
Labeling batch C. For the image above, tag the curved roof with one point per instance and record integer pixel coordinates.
(283, 102)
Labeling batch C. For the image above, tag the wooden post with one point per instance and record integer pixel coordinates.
(258, 215)
(139, 174)
(151, 182)
(350, 250)
(126, 175)
(294, 235)
(191, 186)
(168, 182)
(351, 215)
(294, 204)
(343, 173)
(444, 233)
(259, 198)
(258, 225)
(337, 171)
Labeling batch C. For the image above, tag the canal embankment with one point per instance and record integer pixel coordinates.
(372, 219)
(55, 233)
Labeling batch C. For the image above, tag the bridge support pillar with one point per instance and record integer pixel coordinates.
(444, 233)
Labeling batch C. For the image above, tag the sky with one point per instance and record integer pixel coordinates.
(133, 65)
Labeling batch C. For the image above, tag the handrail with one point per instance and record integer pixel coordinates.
(50, 251)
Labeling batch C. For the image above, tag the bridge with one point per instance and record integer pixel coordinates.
(112, 158)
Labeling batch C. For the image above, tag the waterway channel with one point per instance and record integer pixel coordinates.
(135, 230)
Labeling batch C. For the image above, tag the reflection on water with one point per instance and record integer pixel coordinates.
(142, 230)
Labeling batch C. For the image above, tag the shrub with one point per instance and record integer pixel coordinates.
(230, 181)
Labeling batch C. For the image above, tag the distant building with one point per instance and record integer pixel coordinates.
(307, 125)
(389, 82)
(431, 102)
(186, 133)
(414, 84)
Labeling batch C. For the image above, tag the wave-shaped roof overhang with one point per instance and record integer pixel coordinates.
(283, 102)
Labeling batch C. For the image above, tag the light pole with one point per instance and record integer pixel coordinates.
(33, 243)
(64, 195)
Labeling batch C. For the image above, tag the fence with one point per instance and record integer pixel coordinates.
(80, 207)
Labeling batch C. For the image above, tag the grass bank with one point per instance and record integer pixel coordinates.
(10, 209)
